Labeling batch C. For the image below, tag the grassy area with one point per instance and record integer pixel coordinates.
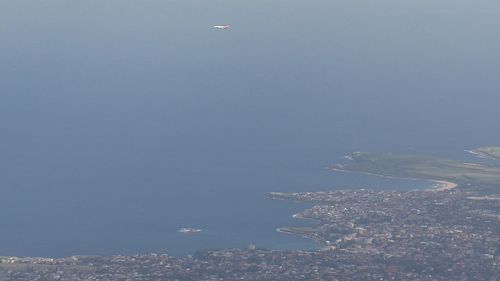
(423, 167)
(487, 152)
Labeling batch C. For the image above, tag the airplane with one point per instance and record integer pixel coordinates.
(221, 26)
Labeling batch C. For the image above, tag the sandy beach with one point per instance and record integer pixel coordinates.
(443, 185)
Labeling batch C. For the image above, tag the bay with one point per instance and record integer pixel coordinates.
(122, 122)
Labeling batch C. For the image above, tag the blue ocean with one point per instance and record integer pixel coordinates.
(123, 121)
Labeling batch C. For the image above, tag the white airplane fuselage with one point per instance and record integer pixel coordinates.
(221, 26)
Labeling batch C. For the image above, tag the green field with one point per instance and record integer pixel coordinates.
(425, 168)
(487, 152)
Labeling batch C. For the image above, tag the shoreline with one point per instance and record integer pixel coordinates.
(440, 185)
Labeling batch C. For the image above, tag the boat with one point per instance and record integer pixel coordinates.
(188, 230)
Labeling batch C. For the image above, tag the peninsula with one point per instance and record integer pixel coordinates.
(471, 176)
(492, 152)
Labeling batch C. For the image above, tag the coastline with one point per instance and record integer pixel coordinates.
(440, 185)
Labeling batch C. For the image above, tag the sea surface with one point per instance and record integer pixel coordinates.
(122, 121)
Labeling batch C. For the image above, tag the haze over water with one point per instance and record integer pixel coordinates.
(122, 121)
